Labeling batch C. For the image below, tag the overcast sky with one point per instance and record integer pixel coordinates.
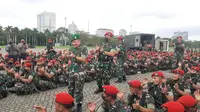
(162, 17)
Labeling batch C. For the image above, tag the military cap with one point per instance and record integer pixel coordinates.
(187, 58)
(49, 40)
(64, 98)
(135, 83)
(179, 71)
(187, 101)
(180, 37)
(109, 34)
(110, 90)
(17, 62)
(120, 38)
(27, 64)
(158, 73)
(173, 106)
(196, 68)
(75, 37)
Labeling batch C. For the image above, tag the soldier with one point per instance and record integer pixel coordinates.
(179, 50)
(110, 103)
(138, 100)
(121, 57)
(178, 85)
(22, 50)
(27, 80)
(104, 62)
(76, 70)
(50, 50)
(160, 92)
(64, 102)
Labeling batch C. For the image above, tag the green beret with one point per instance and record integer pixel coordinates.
(75, 37)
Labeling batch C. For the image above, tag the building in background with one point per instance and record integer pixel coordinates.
(101, 31)
(183, 34)
(46, 20)
(72, 28)
(122, 32)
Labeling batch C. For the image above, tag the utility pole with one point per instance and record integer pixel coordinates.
(131, 30)
(65, 32)
(88, 25)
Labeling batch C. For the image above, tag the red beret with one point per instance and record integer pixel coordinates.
(120, 38)
(196, 68)
(110, 90)
(28, 58)
(64, 98)
(187, 101)
(135, 83)
(173, 107)
(187, 58)
(17, 62)
(27, 64)
(160, 74)
(109, 34)
(179, 71)
(180, 37)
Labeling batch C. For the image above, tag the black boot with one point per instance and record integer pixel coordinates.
(98, 90)
(118, 81)
(79, 108)
(124, 78)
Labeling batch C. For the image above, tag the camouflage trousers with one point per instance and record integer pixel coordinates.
(120, 71)
(22, 89)
(75, 85)
(103, 77)
(7, 81)
(178, 57)
(45, 85)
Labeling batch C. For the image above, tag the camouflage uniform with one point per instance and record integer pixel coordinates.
(183, 86)
(117, 107)
(121, 57)
(104, 67)
(22, 88)
(178, 52)
(76, 73)
(90, 76)
(147, 101)
(156, 92)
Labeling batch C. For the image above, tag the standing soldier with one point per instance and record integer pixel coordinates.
(104, 62)
(76, 75)
(22, 50)
(179, 50)
(121, 56)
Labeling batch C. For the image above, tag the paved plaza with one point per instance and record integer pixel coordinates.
(14, 103)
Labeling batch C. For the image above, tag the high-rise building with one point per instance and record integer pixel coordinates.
(46, 20)
(72, 28)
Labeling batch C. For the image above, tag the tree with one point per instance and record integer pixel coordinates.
(8, 32)
(158, 37)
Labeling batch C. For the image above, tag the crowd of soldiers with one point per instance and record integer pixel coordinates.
(73, 67)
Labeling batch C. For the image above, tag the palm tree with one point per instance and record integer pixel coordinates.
(8, 32)
(47, 34)
(35, 33)
(15, 32)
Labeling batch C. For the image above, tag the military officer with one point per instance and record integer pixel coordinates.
(159, 90)
(121, 57)
(105, 54)
(138, 100)
(110, 103)
(179, 50)
(76, 70)
(178, 85)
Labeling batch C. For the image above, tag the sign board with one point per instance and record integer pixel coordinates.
(183, 34)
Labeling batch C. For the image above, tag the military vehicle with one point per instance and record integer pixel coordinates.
(140, 40)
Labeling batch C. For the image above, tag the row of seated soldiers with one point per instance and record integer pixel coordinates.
(49, 74)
